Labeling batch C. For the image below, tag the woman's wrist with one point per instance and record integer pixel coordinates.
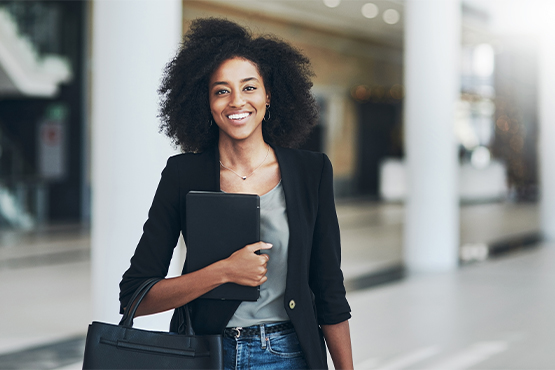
(222, 271)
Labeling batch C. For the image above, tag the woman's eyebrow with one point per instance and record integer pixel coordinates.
(242, 81)
(249, 79)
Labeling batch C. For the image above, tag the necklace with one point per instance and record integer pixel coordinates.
(245, 177)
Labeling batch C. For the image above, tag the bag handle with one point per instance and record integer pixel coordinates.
(135, 301)
(137, 297)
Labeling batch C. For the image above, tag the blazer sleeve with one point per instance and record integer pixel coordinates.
(326, 278)
(160, 234)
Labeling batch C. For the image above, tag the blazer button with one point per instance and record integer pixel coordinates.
(292, 304)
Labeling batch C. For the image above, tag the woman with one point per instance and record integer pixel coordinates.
(235, 104)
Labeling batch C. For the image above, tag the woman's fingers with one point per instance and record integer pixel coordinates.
(259, 246)
(247, 267)
(262, 246)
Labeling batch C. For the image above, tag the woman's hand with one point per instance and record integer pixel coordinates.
(245, 267)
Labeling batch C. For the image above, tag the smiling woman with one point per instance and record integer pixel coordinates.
(216, 99)
(284, 72)
(238, 99)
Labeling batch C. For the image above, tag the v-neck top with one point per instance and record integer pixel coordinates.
(274, 229)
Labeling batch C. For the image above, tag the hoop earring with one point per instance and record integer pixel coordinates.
(210, 122)
(267, 113)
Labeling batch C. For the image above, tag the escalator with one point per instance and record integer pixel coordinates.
(43, 170)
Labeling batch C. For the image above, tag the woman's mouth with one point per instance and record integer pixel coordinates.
(238, 116)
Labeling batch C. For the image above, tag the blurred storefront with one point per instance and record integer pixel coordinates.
(43, 138)
(357, 49)
(357, 53)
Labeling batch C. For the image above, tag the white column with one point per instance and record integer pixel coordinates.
(546, 81)
(132, 42)
(432, 48)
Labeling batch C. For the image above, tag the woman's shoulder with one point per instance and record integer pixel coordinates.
(191, 158)
(183, 157)
(196, 165)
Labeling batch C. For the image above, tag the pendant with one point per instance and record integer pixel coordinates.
(244, 177)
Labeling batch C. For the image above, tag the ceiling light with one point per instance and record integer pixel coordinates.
(391, 16)
(370, 10)
(332, 3)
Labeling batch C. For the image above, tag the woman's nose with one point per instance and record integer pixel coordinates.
(237, 100)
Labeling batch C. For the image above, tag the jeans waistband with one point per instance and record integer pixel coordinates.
(256, 330)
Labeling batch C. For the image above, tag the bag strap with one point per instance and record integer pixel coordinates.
(135, 301)
(188, 324)
(181, 321)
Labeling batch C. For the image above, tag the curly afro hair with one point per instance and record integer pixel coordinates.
(184, 107)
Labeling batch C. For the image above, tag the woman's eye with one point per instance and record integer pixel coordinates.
(250, 88)
(221, 92)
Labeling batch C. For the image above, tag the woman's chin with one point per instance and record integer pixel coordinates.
(241, 135)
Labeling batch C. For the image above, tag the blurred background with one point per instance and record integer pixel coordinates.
(434, 113)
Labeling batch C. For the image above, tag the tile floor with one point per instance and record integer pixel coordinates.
(493, 315)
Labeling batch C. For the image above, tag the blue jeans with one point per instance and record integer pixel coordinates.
(273, 351)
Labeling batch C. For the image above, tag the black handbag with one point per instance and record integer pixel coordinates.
(121, 346)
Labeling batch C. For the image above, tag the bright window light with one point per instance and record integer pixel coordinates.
(480, 157)
(483, 60)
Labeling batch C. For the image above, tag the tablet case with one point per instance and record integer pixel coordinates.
(219, 224)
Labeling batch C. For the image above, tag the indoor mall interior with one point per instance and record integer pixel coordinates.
(436, 117)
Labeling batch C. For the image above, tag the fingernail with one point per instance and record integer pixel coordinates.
(269, 244)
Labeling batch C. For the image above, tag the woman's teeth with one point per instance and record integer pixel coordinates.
(238, 116)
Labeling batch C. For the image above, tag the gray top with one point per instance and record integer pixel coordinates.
(274, 229)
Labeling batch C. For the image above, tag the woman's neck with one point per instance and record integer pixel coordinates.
(242, 155)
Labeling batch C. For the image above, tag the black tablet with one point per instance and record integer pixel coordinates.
(218, 224)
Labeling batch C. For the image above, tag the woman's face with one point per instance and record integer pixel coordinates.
(238, 99)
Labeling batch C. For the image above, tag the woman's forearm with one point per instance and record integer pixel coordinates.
(175, 292)
(338, 340)
(243, 267)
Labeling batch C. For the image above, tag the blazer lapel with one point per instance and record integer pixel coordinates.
(215, 168)
(291, 189)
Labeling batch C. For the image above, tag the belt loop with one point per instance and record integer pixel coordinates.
(262, 336)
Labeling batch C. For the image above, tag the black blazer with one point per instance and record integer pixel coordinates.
(314, 294)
